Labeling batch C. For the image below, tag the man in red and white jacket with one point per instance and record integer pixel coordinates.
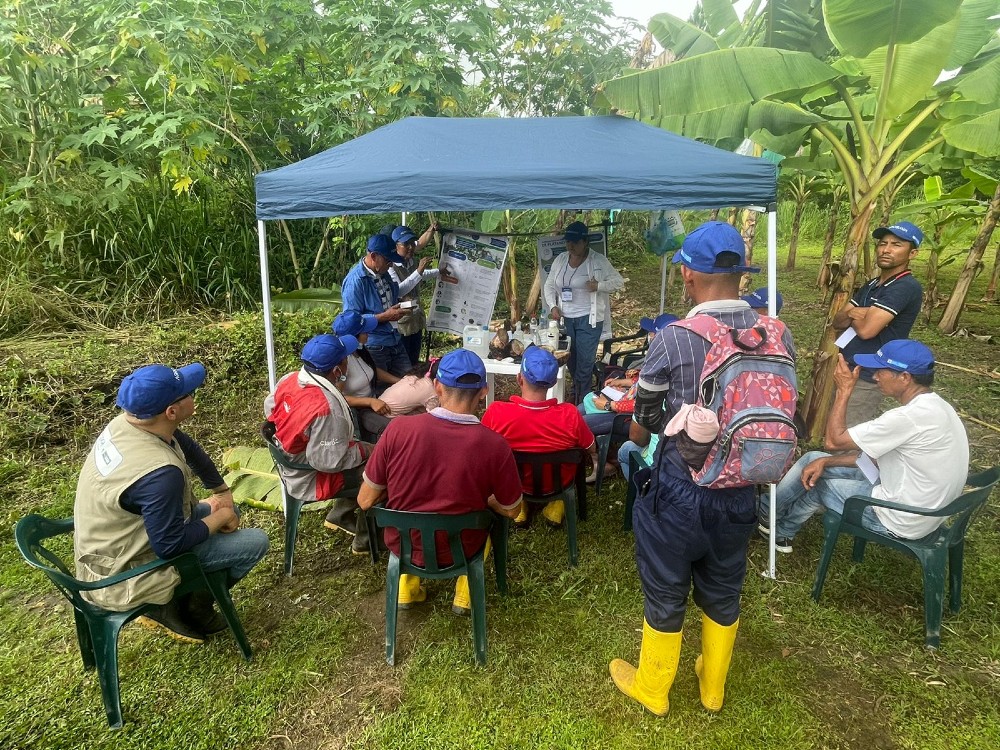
(313, 425)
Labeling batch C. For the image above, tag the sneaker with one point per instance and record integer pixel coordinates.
(167, 617)
(781, 544)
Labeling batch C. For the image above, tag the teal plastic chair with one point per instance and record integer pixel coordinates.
(293, 505)
(546, 470)
(97, 629)
(940, 553)
(428, 526)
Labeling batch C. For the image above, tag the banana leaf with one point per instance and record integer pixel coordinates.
(308, 299)
(253, 478)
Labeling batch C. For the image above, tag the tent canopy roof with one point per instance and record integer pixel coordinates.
(481, 164)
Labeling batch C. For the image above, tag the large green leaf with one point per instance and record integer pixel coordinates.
(984, 183)
(717, 79)
(253, 478)
(980, 134)
(724, 127)
(915, 68)
(308, 299)
(680, 37)
(982, 85)
(976, 28)
(719, 15)
(780, 126)
(859, 26)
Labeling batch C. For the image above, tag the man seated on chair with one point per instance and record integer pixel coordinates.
(536, 424)
(921, 449)
(445, 462)
(313, 425)
(135, 502)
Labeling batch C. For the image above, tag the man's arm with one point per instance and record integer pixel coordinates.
(370, 494)
(814, 469)
(510, 512)
(205, 469)
(836, 436)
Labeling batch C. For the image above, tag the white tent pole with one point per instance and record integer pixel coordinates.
(265, 294)
(772, 287)
(663, 281)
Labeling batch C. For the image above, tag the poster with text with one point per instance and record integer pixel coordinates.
(553, 245)
(471, 266)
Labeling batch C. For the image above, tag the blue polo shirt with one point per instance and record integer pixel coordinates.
(900, 295)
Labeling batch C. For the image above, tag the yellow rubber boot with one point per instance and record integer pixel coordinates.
(712, 665)
(411, 591)
(522, 515)
(553, 512)
(650, 683)
(462, 603)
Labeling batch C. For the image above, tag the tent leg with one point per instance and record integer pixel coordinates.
(265, 293)
(663, 281)
(772, 286)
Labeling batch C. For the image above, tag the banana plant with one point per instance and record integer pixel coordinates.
(880, 104)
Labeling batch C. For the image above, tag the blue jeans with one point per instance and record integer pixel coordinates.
(795, 504)
(391, 358)
(627, 447)
(236, 552)
(582, 353)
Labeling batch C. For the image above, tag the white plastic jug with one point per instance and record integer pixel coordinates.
(477, 340)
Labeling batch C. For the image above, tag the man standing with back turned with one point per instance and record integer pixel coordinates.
(686, 533)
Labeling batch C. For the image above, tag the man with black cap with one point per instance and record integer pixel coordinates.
(368, 289)
(408, 276)
(684, 533)
(312, 424)
(578, 289)
(135, 503)
(920, 446)
(534, 423)
(444, 461)
(881, 311)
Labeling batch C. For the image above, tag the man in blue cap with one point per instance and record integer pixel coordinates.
(759, 298)
(368, 289)
(920, 446)
(881, 311)
(408, 276)
(312, 424)
(444, 461)
(684, 533)
(534, 423)
(135, 502)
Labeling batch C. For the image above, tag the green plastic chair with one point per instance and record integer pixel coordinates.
(427, 526)
(97, 629)
(635, 463)
(293, 505)
(940, 553)
(615, 437)
(574, 494)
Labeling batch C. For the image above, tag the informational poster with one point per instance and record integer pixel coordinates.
(666, 232)
(471, 266)
(550, 246)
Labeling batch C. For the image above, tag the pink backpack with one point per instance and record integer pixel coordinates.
(749, 381)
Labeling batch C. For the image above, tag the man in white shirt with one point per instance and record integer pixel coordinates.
(920, 447)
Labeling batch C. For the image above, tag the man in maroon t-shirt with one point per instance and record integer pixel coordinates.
(531, 422)
(446, 462)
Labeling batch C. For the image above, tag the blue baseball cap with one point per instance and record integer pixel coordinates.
(353, 323)
(382, 245)
(326, 351)
(901, 355)
(652, 325)
(758, 298)
(576, 231)
(539, 367)
(902, 229)
(459, 363)
(702, 248)
(151, 389)
(403, 234)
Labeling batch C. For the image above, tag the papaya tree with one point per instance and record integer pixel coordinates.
(880, 104)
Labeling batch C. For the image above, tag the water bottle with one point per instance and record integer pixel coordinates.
(552, 335)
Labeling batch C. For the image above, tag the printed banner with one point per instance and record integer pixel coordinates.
(471, 266)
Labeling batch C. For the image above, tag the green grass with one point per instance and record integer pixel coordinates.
(848, 672)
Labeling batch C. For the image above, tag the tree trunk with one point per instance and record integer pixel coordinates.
(733, 213)
(749, 234)
(991, 290)
(931, 287)
(820, 394)
(793, 241)
(949, 321)
(713, 215)
(823, 280)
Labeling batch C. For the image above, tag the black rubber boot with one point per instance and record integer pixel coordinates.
(342, 516)
(198, 610)
(167, 617)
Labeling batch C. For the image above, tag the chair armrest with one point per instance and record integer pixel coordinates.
(855, 505)
(183, 562)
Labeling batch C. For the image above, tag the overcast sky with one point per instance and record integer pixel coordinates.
(643, 10)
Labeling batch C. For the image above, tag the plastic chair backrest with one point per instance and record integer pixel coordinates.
(549, 466)
(968, 505)
(29, 534)
(428, 526)
(279, 456)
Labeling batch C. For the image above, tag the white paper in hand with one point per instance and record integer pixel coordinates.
(845, 338)
(868, 467)
(612, 393)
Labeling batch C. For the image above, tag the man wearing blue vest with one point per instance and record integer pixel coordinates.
(368, 289)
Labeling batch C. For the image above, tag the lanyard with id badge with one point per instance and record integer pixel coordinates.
(567, 290)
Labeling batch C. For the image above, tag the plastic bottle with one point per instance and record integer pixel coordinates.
(552, 335)
(474, 339)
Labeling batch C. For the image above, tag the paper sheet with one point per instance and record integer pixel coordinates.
(868, 467)
(845, 338)
(613, 393)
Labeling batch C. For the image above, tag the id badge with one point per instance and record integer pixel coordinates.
(567, 294)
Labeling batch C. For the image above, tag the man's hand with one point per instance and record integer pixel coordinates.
(221, 499)
(601, 402)
(379, 406)
(812, 472)
(422, 265)
(223, 520)
(592, 285)
(555, 313)
(858, 314)
(392, 314)
(844, 377)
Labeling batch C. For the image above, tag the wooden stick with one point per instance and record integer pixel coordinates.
(971, 372)
(979, 422)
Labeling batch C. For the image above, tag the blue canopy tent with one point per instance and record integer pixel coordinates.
(481, 164)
